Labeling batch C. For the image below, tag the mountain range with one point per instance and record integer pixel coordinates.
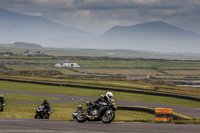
(24, 28)
(153, 36)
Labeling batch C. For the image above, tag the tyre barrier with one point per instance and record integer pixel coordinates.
(109, 89)
(137, 108)
(163, 114)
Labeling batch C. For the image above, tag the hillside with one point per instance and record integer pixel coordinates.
(24, 44)
(155, 36)
(151, 36)
(158, 29)
(17, 27)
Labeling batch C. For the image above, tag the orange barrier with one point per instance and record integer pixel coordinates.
(163, 114)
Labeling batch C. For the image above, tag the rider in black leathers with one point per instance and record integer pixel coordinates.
(106, 97)
(2, 101)
(46, 106)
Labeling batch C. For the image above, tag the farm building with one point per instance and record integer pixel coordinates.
(66, 63)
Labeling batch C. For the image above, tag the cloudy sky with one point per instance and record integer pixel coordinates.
(97, 16)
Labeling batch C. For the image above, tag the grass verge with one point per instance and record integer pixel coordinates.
(114, 83)
(96, 93)
(65, 113)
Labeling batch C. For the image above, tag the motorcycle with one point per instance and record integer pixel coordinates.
(2, 102)
(42, 113)
(105, 112)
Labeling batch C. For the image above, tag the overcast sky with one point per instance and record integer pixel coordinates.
(97, 16)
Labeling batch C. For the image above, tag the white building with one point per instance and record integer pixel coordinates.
(66, 63)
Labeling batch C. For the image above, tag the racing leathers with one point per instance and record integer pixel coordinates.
(101, 99)
(47, 107)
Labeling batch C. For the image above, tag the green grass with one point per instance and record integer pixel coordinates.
(65, 113)
(21, 111)
(33, 67)
(26, 98)
(118, 63)
(113, 83)
(97, 93)
(41, 61)
(123, 115)
(17, 112)
(187, 122)
(24, 67)
(184, 72)
(169, 69)
(125, 71)
(180, 65)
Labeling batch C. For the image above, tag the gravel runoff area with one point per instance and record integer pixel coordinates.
(75, 99)
(15, 125)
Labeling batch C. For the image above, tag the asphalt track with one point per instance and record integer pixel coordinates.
(68, 99)
(53, 126)
(15, 125)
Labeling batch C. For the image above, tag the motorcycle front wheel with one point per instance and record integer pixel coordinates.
(108, 117)
(46, 116)
(81, 117)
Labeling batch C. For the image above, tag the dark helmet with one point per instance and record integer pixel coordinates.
(45, 101)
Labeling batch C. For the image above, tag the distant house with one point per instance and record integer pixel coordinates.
(66, 63)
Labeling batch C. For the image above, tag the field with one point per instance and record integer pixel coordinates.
(106, 67)
(116, 83)
(101, 71)
(114, 71)
(61, 111)
(121, 53)
(96, 93)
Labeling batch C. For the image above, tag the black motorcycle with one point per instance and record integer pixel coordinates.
(2, 102)
(105, 112)
(42, 113)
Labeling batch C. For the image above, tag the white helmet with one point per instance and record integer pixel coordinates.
(109, 95)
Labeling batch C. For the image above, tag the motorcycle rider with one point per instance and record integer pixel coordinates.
(2, 102)
(108, 96)
(2, 99)
(46, 106)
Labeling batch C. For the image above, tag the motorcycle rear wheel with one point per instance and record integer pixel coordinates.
(81, 117)
(109, 118)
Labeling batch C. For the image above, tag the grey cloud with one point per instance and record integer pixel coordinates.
(92, 4)
(107, 13)
(118, 4)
